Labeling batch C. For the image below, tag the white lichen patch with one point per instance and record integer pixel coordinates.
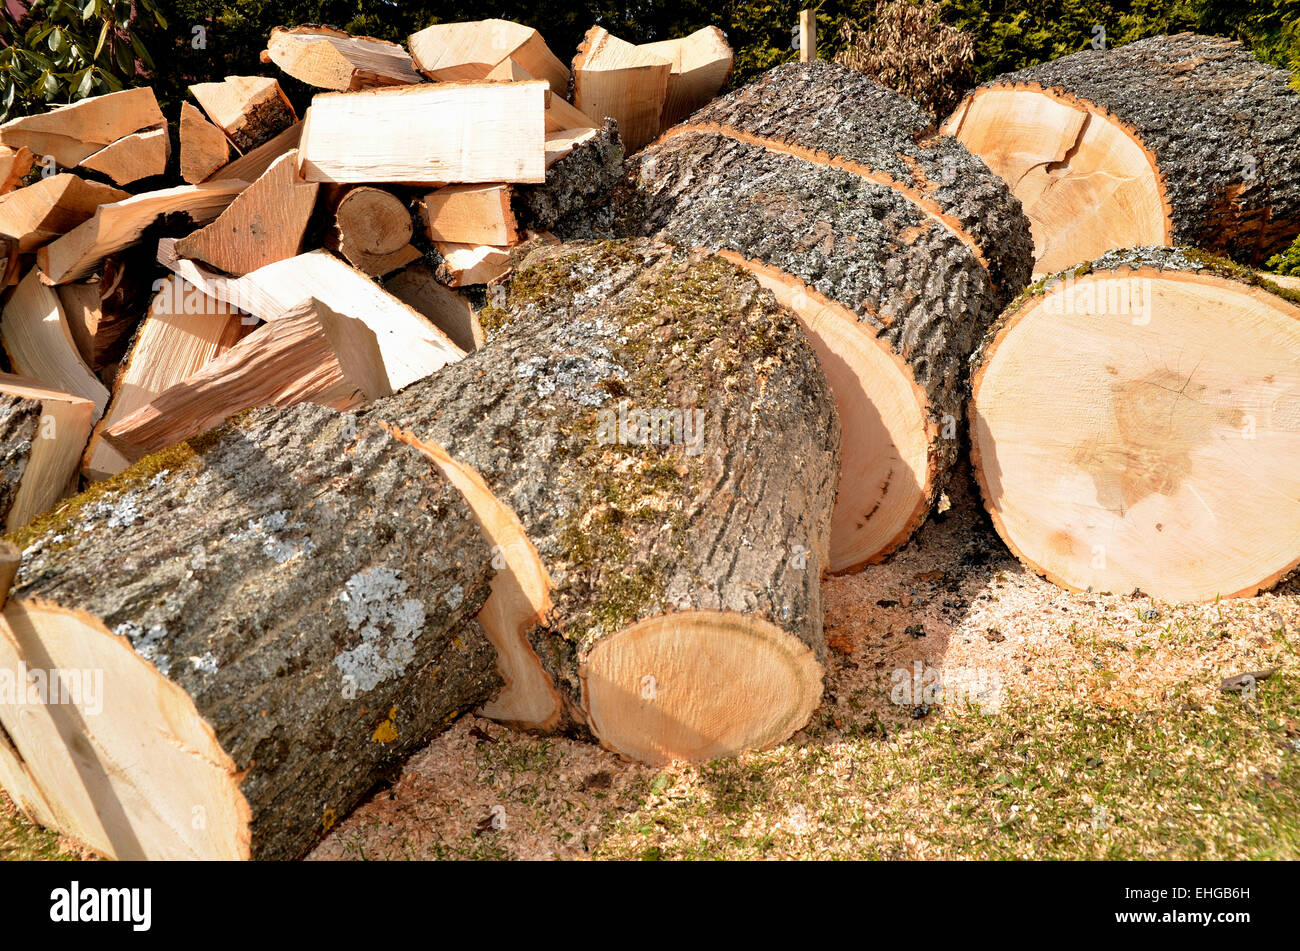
(574, 376)
(147, 642)
(374, 604)
(266, 530)
(206, 664)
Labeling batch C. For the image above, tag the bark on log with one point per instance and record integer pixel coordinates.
(654, 448)
(1157, 450)
(895, 250)
(1173, 140)
(282, 610)
(575, 184)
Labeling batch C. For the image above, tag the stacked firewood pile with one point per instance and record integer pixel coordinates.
(429, 401)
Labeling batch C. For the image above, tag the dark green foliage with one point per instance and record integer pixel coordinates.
(1288, 262)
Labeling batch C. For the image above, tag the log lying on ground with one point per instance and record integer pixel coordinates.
(182, 331)
(42, 433)
(73, 133)
(611, 77)
(1184, 139)
(40, 345)
(282, 612)
(331, 59)
(310, 356)
(116, 226)
(468, 51)
(431, 133)
(51, 207)
(204, 147)
(251, 110)
(701, 65)
(265, 223)
(412, 346)
(1157, 450)
(810, 184)
(649, 439)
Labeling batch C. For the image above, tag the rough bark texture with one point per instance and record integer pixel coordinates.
(19, 420)
(271, 568)
(844, 114)
(1223, 128)
(636, 530)
(909, 279)
(574, 184)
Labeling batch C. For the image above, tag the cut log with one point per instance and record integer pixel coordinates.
(650, 442)
(1157, 450)
(466, 264)
(251, 167)
(250, 109)
(182, 331)
(894, 269)
(561, 116)
(282, 612)
(102, 311)
(1184, 139)
(51, 207)
(311, 356)
(701, 65)
(331, 59)
(204, 147)
(118, 225)
(411, 346)
(441, 132)
(264, 224)
(14, 165)
(418, 287)
(469, 51)
(613, 78)
(40, 345)
(371, 222)
(77, 131)
(471, 214)
(133, 157)
(42, 434)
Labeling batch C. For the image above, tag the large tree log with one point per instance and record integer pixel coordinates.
(649, 440)
(281, 611)
(1185, 140)
(895, 247)
(1156, 449)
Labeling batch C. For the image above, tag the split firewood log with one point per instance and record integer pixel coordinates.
(1173, 140)
(428, 133)
(331, 59)
(253, 165)
(894, 246)
(14, 165)
(50, 207)
(418, 287)
(265, 223)
(613, 78)
(457, 52)
(133, 157)
(650, 443)
(204, 147)
(42, 433)
(373, 230)
(251, 110)
(261, 624)
(701, 65)
(471, 214)
(104, 309)
(72, 133)
(1135, 423)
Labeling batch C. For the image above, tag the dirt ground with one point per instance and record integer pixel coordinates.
(1012, 651)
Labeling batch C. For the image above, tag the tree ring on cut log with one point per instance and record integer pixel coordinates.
(119, 785)
(1136, 424)
(651, 689)
(1086, 181)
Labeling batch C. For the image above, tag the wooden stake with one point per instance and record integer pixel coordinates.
(807, 36)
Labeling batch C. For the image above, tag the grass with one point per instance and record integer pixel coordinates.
(1040, 778)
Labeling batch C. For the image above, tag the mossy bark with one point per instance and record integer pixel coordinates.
(725, 508)
(1221, 125)
(310, 583)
